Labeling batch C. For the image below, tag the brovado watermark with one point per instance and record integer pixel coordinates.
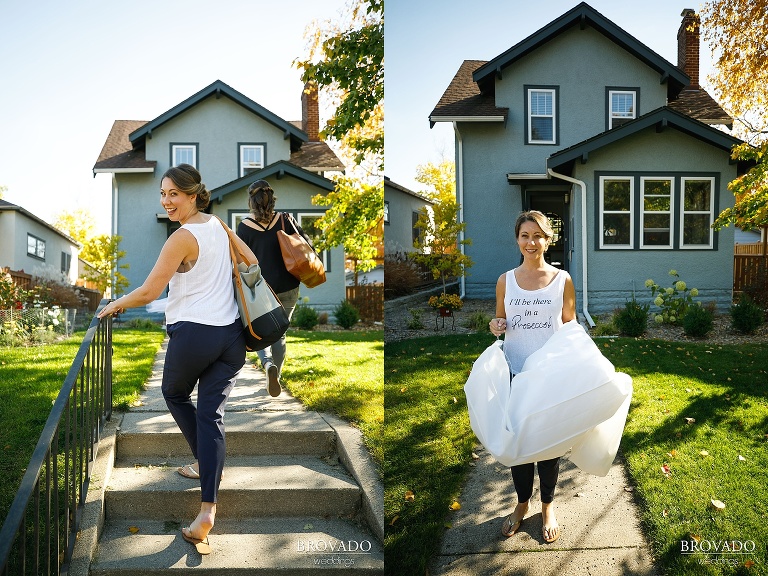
(717, 546)
(333, 552)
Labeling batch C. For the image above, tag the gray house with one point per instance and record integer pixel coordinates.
(233, 141)
(401, 211)
(586, 123)
(28, 243)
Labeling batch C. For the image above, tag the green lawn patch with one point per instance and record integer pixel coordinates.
(32, 378)
(723, 390)
(340, 373)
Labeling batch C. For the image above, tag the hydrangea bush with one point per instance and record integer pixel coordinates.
(674, 301)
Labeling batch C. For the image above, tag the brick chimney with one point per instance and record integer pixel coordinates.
(688, 46)
(310, 112)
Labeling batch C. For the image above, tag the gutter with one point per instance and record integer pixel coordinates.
(584, 294)
(460, 195)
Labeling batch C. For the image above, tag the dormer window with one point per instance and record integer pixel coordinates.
(541, 117)
(622, 106)
(251, 158)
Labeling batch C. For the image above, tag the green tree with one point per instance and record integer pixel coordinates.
(3, 190)
(79, 224)
(104, 254)
(347, 57)
(736, 31)
(438, 244)
(441, 179)
(354, 219)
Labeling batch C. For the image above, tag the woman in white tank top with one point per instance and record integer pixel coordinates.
(532, 302)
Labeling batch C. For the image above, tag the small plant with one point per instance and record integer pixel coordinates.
(304, 316)
(447, 301)
(605, 327)
(346, 314)
(478, 322)
(746, 316)
(698, 321)
(415, 322)
(632, 319)
(140, 323)
(322, 318)
(674, 301)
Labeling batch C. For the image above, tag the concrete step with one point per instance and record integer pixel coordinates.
(146, 435)
(297, 546)
(254, 486)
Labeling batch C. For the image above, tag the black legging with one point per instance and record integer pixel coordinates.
(522, 476)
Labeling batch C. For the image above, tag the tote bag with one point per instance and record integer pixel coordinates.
(299, 257)
(264, 318)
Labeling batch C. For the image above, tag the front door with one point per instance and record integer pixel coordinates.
(553, 204)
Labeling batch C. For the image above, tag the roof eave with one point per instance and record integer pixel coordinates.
(434, 119)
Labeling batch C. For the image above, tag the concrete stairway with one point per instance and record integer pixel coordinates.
(287, 502)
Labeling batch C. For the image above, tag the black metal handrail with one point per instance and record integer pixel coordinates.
(38, 535)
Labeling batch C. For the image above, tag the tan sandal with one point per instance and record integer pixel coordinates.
(511, 526)
(202, 546)
(548, 531)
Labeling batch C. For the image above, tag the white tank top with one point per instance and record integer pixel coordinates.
(532, 317)
(204, 294)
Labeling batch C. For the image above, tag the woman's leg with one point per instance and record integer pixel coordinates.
(288, 300)
(522, 476)
(548, 472)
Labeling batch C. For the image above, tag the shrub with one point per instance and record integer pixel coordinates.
(746, 316)
(346, 314)
(673, 301)
(415, 322)
(141, 323)
(304, 317)
(605, 327)
(401, 273)
(322, 318)
(698, 321)
(632, 319)
(478, 321)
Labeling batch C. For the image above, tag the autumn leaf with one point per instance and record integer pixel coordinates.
(672, 453)
(455, 506)
(665, 470)
(475, 456)
(748, 564)
(409, 496)
(403, 389)
(717, 505)
(133, 529)
(665, 513)
(695, 537)
(392, 522)
(690, 420)
(741, 458)
(704, 453)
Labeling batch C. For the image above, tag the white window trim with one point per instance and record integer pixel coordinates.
(251, 165)
(631, 213)
(669, 212)
(323, 254)
(234, 222)
(610, 106)
(684, 212)
(553, 116)
(39, 242)
(175, 147)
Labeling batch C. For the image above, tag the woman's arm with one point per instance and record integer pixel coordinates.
(569, 301)
(499, 324)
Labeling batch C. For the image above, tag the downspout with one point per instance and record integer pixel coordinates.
(584, 295)
(113, 276)
(460, 199)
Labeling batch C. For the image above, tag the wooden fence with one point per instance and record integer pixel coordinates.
(748, 249)
(19, 277)
(369, 301)
(750, 271)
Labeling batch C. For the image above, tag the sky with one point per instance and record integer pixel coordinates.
(427, 40)
(68, 70)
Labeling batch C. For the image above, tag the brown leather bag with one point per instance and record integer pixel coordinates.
(299, 257)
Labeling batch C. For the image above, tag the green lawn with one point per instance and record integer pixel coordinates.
(31, 380)
(341, 373)
(724, 389)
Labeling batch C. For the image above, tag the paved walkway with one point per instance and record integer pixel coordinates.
(599, 522)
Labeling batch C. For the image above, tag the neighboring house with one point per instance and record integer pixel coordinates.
(28, 243)
(586, 123)
(232, 141)
(401, 211)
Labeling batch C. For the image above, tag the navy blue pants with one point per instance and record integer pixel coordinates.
(211, 356)
(522, 475)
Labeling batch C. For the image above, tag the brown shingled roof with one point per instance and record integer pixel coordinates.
(463, 97)
(699, 105)
(316, 156)
(118, 152)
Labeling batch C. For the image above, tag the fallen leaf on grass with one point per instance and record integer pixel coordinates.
(704, 453)
(409, 496)
(133, 529)
(718, 505)
(628, 489)
(695, 537)
(748, 564)
(665, 513)
(403, 389)
(392, 523)
(672, 453)
(741, 458)
(665, 470)
(455, 506)
(690, 420)
(455, 401)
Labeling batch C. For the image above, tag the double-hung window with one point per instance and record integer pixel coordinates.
(616, 212)
(35, 247)
(251, 158)
(656, 212)
(184, 154)
(622, 107)
(308, 223)
(696, 216)
(541, 104)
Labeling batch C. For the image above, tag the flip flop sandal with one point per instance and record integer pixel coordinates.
(188, 472)
(510, 528)
(546, 530)
(203, 547)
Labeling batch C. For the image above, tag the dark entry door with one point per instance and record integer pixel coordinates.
(553, 205)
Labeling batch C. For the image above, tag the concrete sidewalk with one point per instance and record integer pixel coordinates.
(600, 533)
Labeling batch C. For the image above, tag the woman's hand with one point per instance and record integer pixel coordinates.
(111, 308)
(498, 326)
